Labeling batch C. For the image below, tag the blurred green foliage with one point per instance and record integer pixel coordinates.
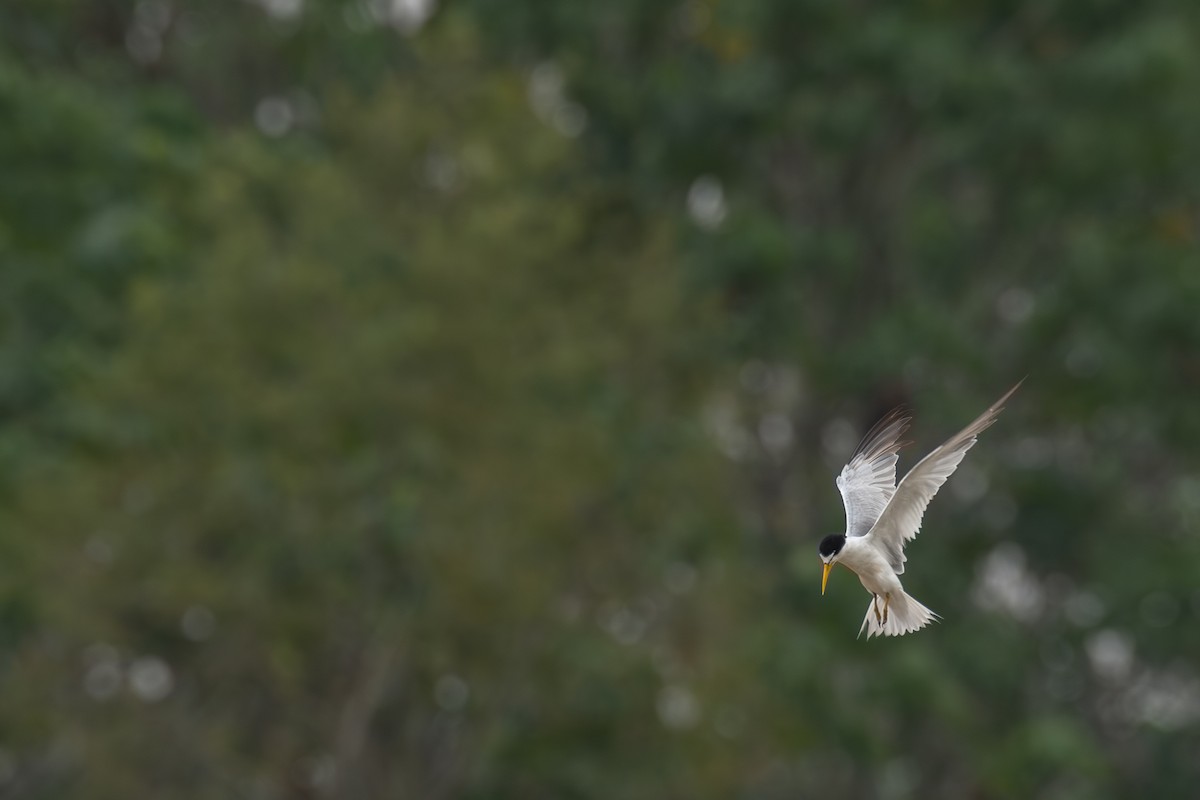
(402, 400)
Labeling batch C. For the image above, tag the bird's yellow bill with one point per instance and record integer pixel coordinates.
(825, 577)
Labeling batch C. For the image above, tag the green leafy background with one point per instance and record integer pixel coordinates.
(442, 400)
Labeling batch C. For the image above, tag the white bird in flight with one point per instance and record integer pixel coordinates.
(882, 516)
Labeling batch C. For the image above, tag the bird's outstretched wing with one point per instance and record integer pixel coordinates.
(900, 521)
(868, 481)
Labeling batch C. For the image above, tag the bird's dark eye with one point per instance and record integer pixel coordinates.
(831, 545)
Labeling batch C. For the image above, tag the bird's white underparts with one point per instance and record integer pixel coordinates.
(882, 516)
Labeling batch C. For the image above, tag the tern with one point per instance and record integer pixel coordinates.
(881, 516)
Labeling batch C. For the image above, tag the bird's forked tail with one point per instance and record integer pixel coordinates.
(904, 615)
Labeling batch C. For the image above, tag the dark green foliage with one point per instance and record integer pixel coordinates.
(449, 406)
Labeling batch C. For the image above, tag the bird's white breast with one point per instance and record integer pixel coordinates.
(870, 565)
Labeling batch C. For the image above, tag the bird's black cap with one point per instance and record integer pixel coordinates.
(831, 545)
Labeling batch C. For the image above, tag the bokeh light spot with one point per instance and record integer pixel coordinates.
(150, 679)
(678, 707)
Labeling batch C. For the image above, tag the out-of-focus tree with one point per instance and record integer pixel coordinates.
(345, 510)
(92, 198)
(468, 435)
(894, 203)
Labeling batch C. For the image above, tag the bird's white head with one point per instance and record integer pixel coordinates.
(830, 549)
